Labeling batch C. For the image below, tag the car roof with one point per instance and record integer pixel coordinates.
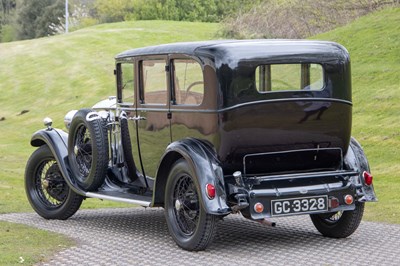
(228, 51)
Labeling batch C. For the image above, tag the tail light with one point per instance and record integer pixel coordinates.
(348, 199)
(258, 207)
(333, 202)
(367, 178)
(210, 190)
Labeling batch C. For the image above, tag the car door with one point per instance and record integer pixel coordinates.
(152, 112)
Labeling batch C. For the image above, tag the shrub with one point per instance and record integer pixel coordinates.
(297, 18)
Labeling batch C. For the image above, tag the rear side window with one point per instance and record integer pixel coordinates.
(188, 82)
(289, 77)
(154, 82)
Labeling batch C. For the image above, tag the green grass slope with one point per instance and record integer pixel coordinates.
(53, 75)
(374, 45)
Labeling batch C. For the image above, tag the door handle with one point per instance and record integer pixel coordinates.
(137, 118)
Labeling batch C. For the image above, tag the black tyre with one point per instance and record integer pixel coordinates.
(339, 224)
(188, 223)
(46, 189)
(88, 149)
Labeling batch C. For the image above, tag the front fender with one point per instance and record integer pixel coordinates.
(355, 159)
(57, 141)
(204, 163)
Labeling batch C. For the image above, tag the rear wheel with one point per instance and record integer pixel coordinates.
(46, 189)
(189, 224)
(88, 149)
(339, 224)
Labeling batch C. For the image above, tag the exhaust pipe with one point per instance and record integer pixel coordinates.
(267, 222)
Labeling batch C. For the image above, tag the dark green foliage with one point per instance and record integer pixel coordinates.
(112, 11)
(179, 10)
(35, 16)
(7, 8)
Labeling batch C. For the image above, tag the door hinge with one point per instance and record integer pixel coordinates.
(167, 68)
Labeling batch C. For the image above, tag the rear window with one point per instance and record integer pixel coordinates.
(289, 77)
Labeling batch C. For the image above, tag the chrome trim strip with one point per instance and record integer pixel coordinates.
(290, 191)
(200, 109)
(305, 175)
(105, 197)
(311, 99)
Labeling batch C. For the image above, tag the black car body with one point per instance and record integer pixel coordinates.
(206, 129)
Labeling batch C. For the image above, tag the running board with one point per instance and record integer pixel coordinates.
(144, 201)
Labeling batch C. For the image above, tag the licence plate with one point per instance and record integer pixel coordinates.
(299, 205)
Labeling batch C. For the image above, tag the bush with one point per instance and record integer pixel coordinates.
(297, 18)
(113, 11)
(7, 33)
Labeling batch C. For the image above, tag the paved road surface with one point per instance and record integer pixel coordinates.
(138, 236)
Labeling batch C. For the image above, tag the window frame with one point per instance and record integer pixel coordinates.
(173, 75)
(304, 77)
(141, 89)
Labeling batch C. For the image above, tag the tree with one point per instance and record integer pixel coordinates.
(7, 8)
(35, 16)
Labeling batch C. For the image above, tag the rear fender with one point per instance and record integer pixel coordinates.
(204, 164)
(57, 141)
(355, 159)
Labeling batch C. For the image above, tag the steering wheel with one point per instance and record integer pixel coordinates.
(191, 99)
(192, 85)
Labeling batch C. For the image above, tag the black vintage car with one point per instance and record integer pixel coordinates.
(207, 129)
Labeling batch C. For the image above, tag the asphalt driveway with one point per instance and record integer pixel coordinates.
(138, 236)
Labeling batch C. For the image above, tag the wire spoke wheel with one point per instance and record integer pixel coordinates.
(333, 218)
(186, 207)
(88, 151)
(83, 150)
(51, 188)
(339, 224)
(188, 222)
(47, 192)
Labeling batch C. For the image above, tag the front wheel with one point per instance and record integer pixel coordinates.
(189, 224)
(46, 189)
(339, 224)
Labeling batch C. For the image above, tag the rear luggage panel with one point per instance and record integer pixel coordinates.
(267, 137)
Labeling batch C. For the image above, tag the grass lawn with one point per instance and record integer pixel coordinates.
(20, 245)
(374, 45)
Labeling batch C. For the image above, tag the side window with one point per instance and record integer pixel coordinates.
(154, 81)
(289, 77)
(127, 81)
(188, 82)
